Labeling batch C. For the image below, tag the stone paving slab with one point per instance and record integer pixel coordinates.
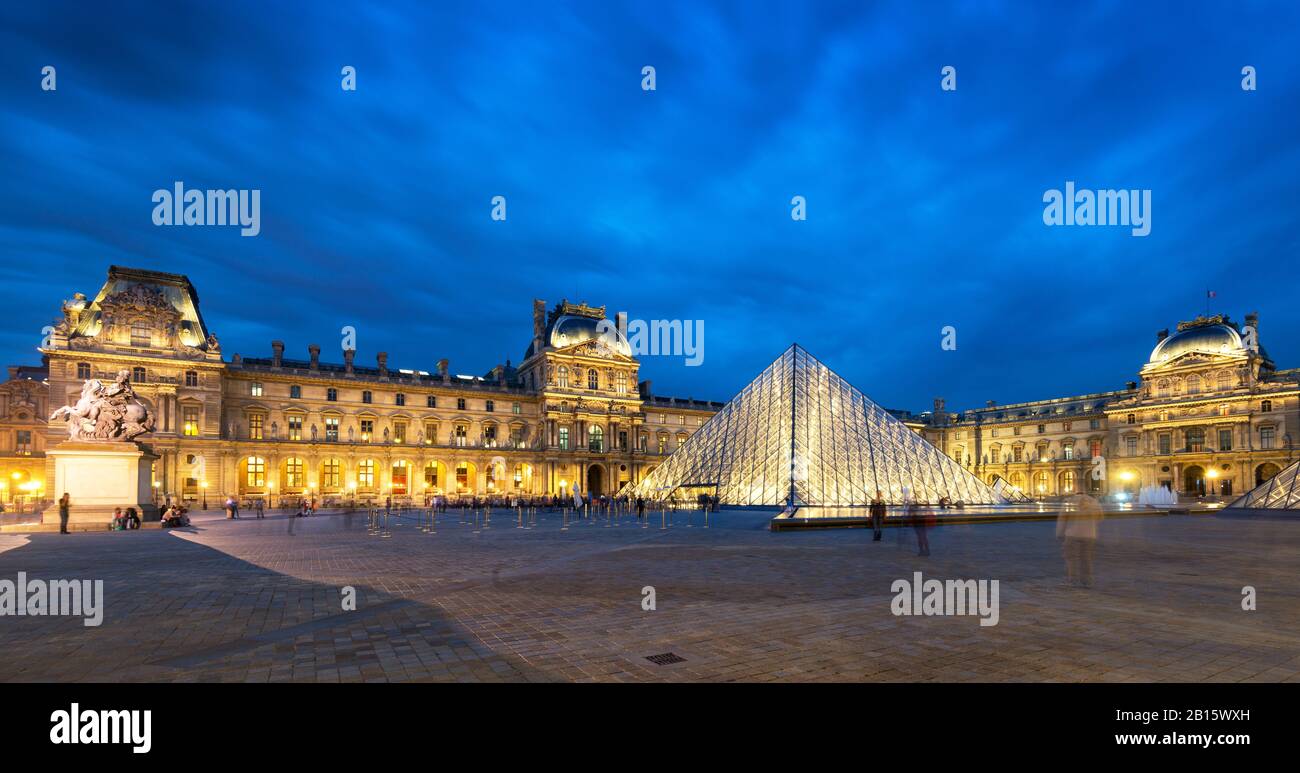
(260, 601)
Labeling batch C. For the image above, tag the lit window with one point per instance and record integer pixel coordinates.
(141, 334)
(256, 472)
(461, 433)
(255, 421)
(367, 429)
(400, 477)
(295, 428)
(293, 473)
(430, 432)
(399, 432)
(490, 435)
(366, 473)
(329, 474)
(191, 422)
(620, 383)
(515, 408)
(331, 429)
(255, 389)
(564, 438)
(563, 377)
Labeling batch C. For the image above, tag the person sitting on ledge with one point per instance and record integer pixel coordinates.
(174, 516)
(132, 518)
(119, 521)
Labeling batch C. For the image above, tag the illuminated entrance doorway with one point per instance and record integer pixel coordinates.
(595, 480)
(1194, 481)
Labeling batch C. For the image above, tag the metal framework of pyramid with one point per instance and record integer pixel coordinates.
(800, 435)
(1277, 493)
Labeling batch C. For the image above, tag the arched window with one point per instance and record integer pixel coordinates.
(1067, 482)
(595, 437)
(293, 478)
(401, 477)
(593, 379)
(330, 474)
(255, 469)
(563, 377)
(1040, 482)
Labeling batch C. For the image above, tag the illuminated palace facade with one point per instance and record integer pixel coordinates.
(1210, 413)
(1209, 416)
(572, 413)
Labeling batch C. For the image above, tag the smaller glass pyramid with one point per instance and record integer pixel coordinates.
(1277, 493)
(800, 435)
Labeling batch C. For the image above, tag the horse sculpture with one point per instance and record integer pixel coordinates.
(106, 412)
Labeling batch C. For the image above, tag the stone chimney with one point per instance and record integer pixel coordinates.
(314, 351)
(1162, 335)
(348, 354)
(442, 369)
(991, 404)
(539, 322)
(382, 360)
(277, 353)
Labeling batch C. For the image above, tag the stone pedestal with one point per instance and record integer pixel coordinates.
(98, 477)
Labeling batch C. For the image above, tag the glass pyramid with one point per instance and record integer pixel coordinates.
(801, 435)
(1277, 493)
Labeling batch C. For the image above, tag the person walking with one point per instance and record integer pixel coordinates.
(1078, 529)
(877, 512)
(921, 524)
(65, 504)
(640, 508)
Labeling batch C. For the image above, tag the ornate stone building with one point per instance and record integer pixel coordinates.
(1209, 414)
(572, 413)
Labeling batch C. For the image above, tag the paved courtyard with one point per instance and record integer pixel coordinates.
(256, 601)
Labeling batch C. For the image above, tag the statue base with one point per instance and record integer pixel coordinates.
(98, 477)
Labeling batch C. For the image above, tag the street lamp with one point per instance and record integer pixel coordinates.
(204, 486)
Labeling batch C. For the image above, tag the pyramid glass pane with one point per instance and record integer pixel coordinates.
(798, 433)
(1279, 492)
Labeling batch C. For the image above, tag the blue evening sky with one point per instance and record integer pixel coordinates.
(924, 206)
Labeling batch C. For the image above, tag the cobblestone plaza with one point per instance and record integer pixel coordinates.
(258, 601)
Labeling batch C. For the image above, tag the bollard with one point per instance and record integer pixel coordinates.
(564, 519)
